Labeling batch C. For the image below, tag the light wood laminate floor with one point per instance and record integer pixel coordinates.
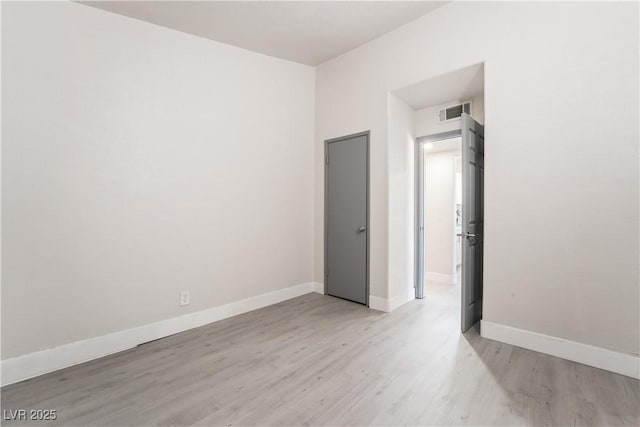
(318, 360)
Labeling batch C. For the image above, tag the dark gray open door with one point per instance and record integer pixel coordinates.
(346, 217)
(472, 220)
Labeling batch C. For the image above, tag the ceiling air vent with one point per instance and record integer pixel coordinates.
(453, 112)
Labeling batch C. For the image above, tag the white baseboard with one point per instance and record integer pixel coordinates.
(621, 363)
(380, 304)
(318, 287)
(411, 294)
(41, 362)
(388, 305)
(441, 278)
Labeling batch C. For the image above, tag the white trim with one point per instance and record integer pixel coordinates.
(411, 294)
(400, 300)
(441, 278)
(317, 287)
(380, 304)
(41, 362)
(621, 363)
(388, 305)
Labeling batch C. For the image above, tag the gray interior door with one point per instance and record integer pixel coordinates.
(346, 216)
(472, 220)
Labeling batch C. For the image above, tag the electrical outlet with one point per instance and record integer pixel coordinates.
(184, 298)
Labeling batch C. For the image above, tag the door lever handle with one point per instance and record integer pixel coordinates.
(362, 229)
(466, 235)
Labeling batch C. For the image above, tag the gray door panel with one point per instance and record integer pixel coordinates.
(472, 220)
(346, 222)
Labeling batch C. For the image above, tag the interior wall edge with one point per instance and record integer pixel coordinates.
(41, 362)
(609, 360)
(380, 304)
(388, 305)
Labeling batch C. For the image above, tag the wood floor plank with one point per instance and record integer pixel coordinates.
(317, 361)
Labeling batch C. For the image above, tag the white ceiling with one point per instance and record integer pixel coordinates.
(309, 32)
(458, 85)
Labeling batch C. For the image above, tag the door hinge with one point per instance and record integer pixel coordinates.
(326, 159)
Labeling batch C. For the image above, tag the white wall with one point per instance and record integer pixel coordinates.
(139, 161)
(439, 214)
(561, 110)
(401, 185)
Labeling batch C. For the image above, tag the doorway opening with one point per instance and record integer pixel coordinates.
(440, 214)
(450, 217)
(436, 149)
